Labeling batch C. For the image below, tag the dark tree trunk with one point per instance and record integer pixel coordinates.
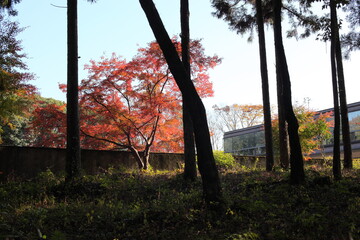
(190, 171)
(73, 157)
(342, 92)
(206, 162)
(283, 134)
(297, 174)
(336, 133)
(265, 88)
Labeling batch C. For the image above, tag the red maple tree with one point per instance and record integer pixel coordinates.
(48, 125)
(136, 105)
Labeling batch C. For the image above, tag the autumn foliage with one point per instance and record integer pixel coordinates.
(131, 105)
(49, 125)
(314, 130)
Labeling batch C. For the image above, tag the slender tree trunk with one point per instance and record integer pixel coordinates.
(336, 134)
(146, 156)
(207, 167)
(73, 156)
(297, 174)
(342, 92)
(265, 88)
(136, 154)
(190, 171)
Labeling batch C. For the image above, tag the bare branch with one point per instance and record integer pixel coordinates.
(105, 140)
(57, 6)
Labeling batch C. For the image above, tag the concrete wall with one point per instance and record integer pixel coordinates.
(27, 162)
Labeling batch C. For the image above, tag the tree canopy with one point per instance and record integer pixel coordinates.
(15, 91)
(237, 116)
(130, 105)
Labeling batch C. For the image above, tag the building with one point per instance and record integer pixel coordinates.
(251, 141)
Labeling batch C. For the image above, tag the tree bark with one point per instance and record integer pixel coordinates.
(209, 173)
(336, 133)
(342, 92)
(265, 88)
(190, 171)
(283, 134)
(73, 156)
(139, 160)
(297, 174)
(146, 156)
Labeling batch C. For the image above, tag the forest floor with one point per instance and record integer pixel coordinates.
(119, 205)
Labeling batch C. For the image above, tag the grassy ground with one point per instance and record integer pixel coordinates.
(116, 205)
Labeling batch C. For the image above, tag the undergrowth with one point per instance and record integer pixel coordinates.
(138, 205)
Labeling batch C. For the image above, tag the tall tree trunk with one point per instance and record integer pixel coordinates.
(190, 171)
(297, 174)
(336, 134)
(207, 167)
(265, 88)
(342, 92)
(283, 134)
(73, 156)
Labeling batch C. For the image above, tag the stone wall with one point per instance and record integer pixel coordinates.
(27, 162)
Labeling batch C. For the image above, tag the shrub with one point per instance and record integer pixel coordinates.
(356, 163)
(224, 160)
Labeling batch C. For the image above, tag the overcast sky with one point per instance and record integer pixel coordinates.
(121, 27)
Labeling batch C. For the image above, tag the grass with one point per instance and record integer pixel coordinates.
(118, 205)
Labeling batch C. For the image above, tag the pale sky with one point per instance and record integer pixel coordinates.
(121, 27)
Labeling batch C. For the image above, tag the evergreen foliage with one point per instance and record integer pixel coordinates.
(15, 92)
